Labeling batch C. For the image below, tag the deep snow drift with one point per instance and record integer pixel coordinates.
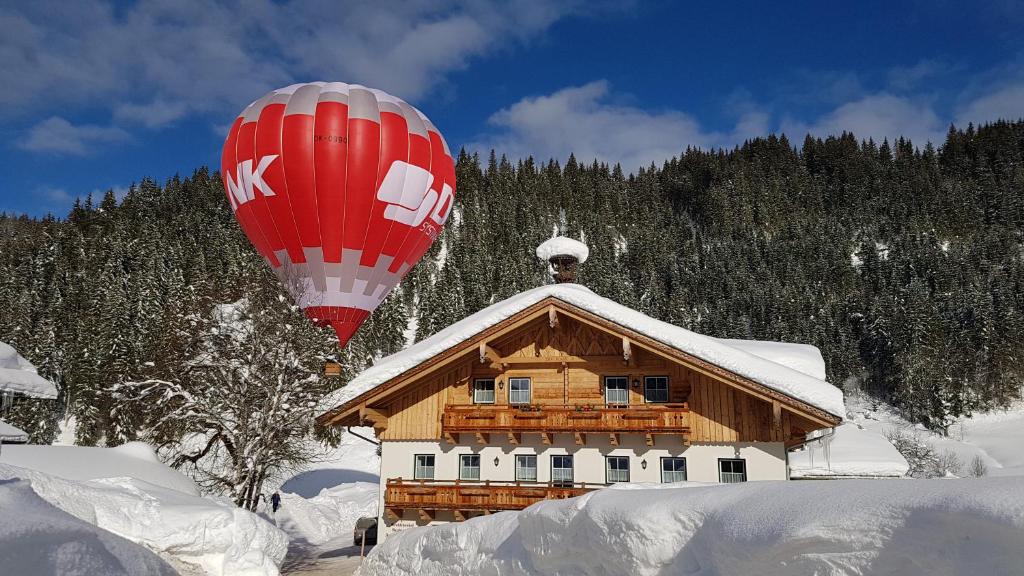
(162, 512)
(38, 538)
(133, 459)
(322, 503)
(765, 528)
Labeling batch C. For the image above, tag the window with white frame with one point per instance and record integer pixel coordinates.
(673, 469)
(526, 468)
(616, 389)
(483, 391)
(731, 471)
(656, 389)
(424, 467)
(518, 390)
(561, 470)
(616, 469)
(469, 467)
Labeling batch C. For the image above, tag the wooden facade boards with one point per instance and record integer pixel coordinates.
(567, 363)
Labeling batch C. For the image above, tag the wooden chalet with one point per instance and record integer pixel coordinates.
(558, 391)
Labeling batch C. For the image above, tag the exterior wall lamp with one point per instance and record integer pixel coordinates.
(636, 382)
(501, 384)
(643, 463)
(495, 460)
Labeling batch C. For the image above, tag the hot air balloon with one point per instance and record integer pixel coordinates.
(342, 189)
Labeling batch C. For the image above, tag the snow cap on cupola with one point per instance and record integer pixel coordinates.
(564, 256)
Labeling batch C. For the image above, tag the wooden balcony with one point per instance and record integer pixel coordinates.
(462, 497)
(647, 419)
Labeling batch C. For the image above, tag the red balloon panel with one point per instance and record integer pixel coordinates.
(342, 189)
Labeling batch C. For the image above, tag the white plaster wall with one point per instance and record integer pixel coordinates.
(765, 460)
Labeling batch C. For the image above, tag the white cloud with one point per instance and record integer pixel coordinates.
(878, 116)
(55, 197)
(157, 61)
(57, 135)
(1004, 103)
(152, 115)
(582, 120)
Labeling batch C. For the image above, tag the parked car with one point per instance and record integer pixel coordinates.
(366, 525)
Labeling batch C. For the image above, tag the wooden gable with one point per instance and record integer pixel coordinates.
(567, 352)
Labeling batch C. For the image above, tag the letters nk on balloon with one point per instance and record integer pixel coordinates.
(342, 189)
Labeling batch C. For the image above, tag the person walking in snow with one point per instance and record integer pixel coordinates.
(275, 501)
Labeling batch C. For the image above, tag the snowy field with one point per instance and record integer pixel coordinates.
(996, 437)
(120, 511)
(973, 526)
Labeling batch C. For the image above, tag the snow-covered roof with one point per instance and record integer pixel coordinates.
(725, 354)
(849, 452)
(9, 433)
(800, 357)
(562, 246)
(19, 375)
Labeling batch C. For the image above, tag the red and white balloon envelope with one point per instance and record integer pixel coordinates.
(342, 189)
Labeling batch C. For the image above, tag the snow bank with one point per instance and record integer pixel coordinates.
(323, 502)
(38, 539)
(19, 375)
(779, 377)
(213, 534)
(329, 515)
(765, 528)
(133, 460)
(562, 246)
(851, 451)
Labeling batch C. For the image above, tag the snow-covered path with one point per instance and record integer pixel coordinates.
(335, 558)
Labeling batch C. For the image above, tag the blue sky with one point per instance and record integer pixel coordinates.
(100, 94)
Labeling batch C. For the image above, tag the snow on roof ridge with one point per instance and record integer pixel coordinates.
(19, 375)
(779, 377)
(804, 358)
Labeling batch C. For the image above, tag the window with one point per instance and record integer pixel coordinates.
(673, 469)
(424, 468)
(483, 391)
(732, 471)
(518, 390)
(616, 469)
(561, 470)
(656, 389)
(526, 468)
(469, 467)
(616, 389)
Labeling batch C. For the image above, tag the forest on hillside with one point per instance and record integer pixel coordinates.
(903, 265)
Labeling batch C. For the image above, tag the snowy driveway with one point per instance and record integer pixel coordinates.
(335, 558)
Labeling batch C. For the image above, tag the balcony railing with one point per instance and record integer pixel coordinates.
(647, 418)
(488, 496)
